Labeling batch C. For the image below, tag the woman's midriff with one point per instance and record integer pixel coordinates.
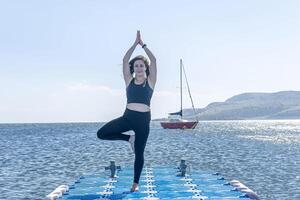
(138, 107)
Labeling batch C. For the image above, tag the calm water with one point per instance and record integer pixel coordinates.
(264, 155)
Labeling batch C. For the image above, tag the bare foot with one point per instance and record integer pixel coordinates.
(131, 141)
(134, 187)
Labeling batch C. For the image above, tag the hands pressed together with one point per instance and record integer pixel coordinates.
(138, 39)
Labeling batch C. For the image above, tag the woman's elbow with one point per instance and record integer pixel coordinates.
(153, 62)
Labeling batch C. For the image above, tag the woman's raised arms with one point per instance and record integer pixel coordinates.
(152, 67)
(126, 71)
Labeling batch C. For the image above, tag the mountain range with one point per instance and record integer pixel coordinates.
(278, 105)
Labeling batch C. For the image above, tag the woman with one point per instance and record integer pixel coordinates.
(137, 116)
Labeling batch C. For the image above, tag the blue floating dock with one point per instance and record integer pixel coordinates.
(155, 183)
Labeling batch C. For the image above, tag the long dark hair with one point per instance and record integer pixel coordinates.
(140, 57)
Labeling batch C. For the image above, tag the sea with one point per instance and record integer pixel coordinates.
(35, 158)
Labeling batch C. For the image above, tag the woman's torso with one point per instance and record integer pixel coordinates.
(141, 107)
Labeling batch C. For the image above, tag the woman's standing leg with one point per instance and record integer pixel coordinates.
(141, 135)
(113, 130)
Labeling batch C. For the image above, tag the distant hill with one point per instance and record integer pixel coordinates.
(279, 105)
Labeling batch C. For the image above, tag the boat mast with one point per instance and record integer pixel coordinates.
(181, 88)
(189, 92)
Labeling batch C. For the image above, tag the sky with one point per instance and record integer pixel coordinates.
(61, 61)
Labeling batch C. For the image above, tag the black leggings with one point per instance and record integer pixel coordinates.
(137, 121)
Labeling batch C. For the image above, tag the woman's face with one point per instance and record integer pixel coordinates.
(139, 68)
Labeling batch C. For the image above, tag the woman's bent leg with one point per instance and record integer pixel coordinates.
(113, 130)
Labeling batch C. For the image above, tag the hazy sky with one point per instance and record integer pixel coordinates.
(60, 61)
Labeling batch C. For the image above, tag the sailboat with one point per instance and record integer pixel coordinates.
(179, 123)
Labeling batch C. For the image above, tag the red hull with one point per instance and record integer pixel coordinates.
(179, 125)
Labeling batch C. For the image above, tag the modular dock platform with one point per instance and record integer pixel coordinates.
(155, 183)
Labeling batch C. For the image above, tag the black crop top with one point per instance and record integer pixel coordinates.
(139, 93)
